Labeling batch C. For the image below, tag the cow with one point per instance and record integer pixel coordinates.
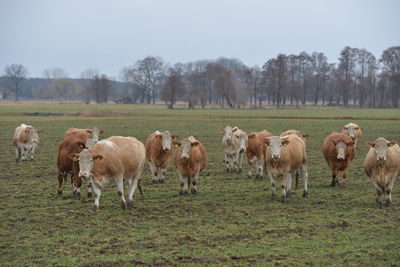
(255, 152)
(159, 153)
(382, 166)
(190, 159)
(65, 165)
(286, 155)
(25, 141)
(116, 158)
(302, 136)
(83, 134)
(354, 131)
(339, 151)
(234, 145)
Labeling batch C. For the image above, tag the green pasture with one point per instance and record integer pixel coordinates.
(231, 221)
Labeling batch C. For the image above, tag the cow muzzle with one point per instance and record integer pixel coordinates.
(341, 157)
(166, 149)
(381, 159)
(185, 157)
(84, 175)
(275, 157)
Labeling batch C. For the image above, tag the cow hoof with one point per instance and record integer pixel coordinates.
(77, 195)
(379, 205)
(161, 181)
(193, 191)
(17, 160)
(305, 193)
(388, 203)
(240, 170)
(260, 177)
(31, 159)
(129, 204)
(181, 192)
(249, 176)
(59, 192)
(123, 205)
(155, 182)
(89, 194)
(288, 194)
(273, 197)
(227, 170)
(95, 208)
(283, 199)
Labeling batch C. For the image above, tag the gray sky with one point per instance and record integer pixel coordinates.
(108, 35)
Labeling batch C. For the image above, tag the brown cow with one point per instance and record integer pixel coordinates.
(190, 159)
(25, 141)
(382, 166)
(159, 153)
(116, 158)
(302, 136)
(339, 151)
(285, 156)
(255, 152)
(354, 131)
(65, 165)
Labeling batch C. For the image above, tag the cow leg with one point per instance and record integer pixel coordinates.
(259, 166)
(161, 175)
(240, 161)
(60, 178)
(89, 189)
(132, 185)
(120, 191)
(236, 161)
(334, 178)
(227, 162)
(153, 169)
(378, 199)
(289, 185)
(304, 173)
(22, 153)
(184, 185)
(250, 169)
(389, 193)
(17, 154)
(77, 189)
(273, 184)
(285, 180)
(193, 190)
(32, 151)
(297, 180)
(97, 191)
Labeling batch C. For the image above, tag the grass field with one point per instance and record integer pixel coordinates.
(231, 221)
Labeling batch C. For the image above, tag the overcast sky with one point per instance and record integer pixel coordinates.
(108, 35)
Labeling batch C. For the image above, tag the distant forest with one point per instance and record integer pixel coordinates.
(358, 79)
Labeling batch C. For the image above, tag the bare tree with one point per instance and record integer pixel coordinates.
(391, 65)
(253, 79)
(64, 88)
(54, 73)
(174, 87)
(347, 64)
(16, 74)
(319, 68)
(151, 67)
(100, 87)
(88, 77)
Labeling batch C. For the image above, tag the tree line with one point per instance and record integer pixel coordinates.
(357, 79)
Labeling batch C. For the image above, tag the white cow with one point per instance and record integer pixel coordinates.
(25, 141)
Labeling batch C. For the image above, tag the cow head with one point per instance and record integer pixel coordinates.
(185, 146)
(166, 139)
(380, 147)
(32, 135)
(95, 132)
(86, 158)
(242, 141)
(228, 133)
(341, 146)
(351, 129)
(274, 144)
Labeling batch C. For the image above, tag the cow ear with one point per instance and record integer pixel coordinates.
(97, 157)
(370, 144)
(195, 144)
(391, 143)
(176, 144)
(285, 142)
(350, 143)
(357, 128)
(159, 136)
(222, 130)
(251, 135)
(235, 129)
(306, 136)
(102, 131)
(174, 136)
(89, 131)
(38, 131)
